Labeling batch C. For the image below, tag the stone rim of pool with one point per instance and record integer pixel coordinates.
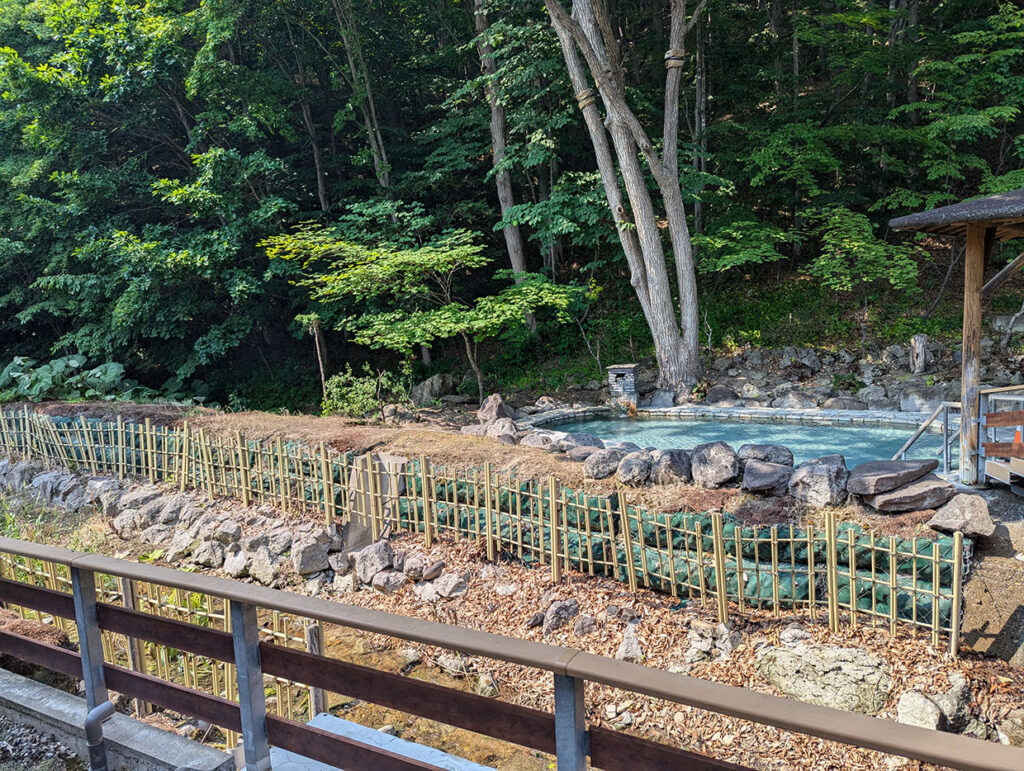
(859, 436)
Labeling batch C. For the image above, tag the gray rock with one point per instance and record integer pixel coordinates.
(539, 440)
(124, 523)
(279, 541)
(800, 359)
(634, 469)
(794, 634)
(965, 513)
(374, 558)
(795, 400)
(502, 427)
(535, 620)
(558, 615)
(264, 567)
(309, 556)
(340, 563)
(580, 454)
(425, 591)
(174, 509)
(236, 561)
(881, 476)
(431, 389)
(928, 492)
(414, 566)
(769, 453)
(157, 534)
(433, 570)
(916, 709)
(454, 663)
(670, 467)
(1011, 728)
(136, 499)
(762, 477)
(584, 625)
(209, 554)
(227, 532)
(629, 648)
(925, 398)
(661, 397)
(451, 585)
(389, 581)
(492, 408)
(721, 395)
(956, 702)
(477, 429)
(840, 678)
(506, 588)
(179, 548)
(844, 403)
(602, 464)
(820, 481)
(150, 514)
(714, 464)
(486, 685)
(581, 439)
(253, 542)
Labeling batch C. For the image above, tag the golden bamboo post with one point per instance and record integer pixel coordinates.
(627, 537)
(183, 466)
(243, 469)
(958, 574)
(282, 480)
(146, 451)
(556, 568)
(776, 578)
(120, 448)
(698, 530)
(428, 503)
(721, 581)
(488, 524)
(831, 572)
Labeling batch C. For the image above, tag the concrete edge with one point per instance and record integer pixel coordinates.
(131, 744)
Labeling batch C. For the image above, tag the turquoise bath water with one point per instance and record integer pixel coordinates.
(859, 444)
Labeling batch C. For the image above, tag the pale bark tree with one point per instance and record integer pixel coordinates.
(499, 143)
(588, 31)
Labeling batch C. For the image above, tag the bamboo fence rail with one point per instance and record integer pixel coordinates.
(854, 575)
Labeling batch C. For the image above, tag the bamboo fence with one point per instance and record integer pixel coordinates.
(854, 575)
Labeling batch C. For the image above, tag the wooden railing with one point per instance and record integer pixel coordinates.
(563, 733)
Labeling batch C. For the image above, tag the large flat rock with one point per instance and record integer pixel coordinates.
(881, 476)
(928, 492)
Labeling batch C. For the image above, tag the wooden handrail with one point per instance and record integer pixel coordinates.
(836, 725)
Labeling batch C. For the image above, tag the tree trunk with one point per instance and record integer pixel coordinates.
(587, 31)
(499, 140)
(471, 356)
(359, 80)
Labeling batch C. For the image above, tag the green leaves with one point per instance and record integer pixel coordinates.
(852, 257)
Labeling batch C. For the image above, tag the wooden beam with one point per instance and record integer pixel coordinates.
(1001, 277)
(974, 278)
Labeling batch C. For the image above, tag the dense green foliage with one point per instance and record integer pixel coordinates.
(153, 156)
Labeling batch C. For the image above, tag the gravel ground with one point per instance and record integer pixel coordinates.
(25, 749)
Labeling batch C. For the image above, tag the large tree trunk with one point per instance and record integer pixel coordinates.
(499, 139)
(589, 31)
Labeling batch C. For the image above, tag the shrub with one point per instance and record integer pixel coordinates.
(361, 395)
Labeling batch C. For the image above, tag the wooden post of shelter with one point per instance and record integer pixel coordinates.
(982, 221)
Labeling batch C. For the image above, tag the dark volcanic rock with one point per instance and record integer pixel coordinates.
(928, 492)
(881, 476)
(714, 464)
(762, 477)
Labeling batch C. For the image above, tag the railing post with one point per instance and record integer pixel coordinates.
(90, 637)
(571, 741)
(945, 439)
(249, 673)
